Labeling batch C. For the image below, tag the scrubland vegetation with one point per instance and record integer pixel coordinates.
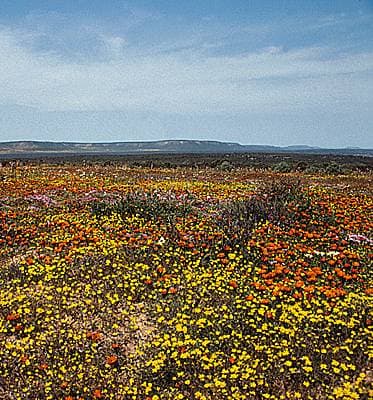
(156, 283)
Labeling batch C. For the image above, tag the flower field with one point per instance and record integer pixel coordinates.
(140, 283)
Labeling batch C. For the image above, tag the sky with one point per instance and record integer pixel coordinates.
(284, 72)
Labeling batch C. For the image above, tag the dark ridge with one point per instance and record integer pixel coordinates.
(30, 148)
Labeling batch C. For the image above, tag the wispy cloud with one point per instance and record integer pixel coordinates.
(185, 80)
(77, 38)
(113, 45)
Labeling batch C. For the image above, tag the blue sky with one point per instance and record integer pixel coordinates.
(255, 72)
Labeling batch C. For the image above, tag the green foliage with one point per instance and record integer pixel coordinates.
(149, 206)
(312, 169)
(271, 203)
(226, 165)
(334, 169)
(283, 166)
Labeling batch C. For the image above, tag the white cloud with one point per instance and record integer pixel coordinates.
(185, 81)
(114, 45)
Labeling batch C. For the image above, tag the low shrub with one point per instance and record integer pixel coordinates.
(283, 166)
(149, 206)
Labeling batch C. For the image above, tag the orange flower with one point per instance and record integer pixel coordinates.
(94, 336)
(172, 290)
(97, 394)
(309, 289)
(112, 359)
(233, 284)
(29, 260)
(23, 359)
(12, 317)
(368, 291)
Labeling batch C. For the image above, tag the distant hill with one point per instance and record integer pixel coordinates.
(161, 147)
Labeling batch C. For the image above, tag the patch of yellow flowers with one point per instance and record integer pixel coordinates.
(118, 306)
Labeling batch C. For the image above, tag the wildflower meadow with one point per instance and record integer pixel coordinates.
(122, 282)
